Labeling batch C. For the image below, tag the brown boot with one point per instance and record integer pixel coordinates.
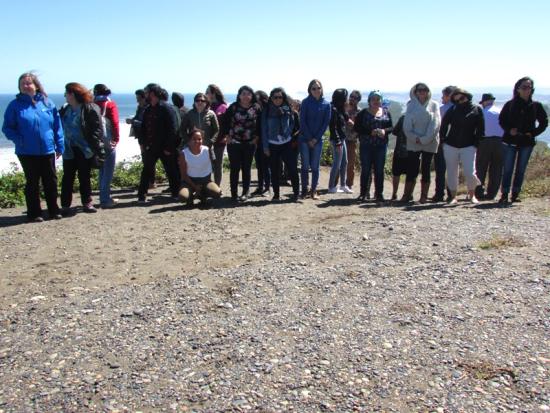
(407, 194)
(424, 188)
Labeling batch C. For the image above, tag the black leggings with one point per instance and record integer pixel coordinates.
(413, 165)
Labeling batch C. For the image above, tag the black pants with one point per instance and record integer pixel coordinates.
(36, 168)
(414, 165)
(440, 169)
(489, 158)
(170, 164)
(263, 168)
(240, 159)
(287, 154)
(79, 164)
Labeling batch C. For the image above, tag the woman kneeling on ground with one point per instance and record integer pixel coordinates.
(196, 171)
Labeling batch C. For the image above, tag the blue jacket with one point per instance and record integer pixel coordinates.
(34, 128)
(314, 118)
(275, 126)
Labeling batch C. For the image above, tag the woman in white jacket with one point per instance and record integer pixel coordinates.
(421, 127)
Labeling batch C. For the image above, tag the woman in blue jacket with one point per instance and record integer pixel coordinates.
(314, 120)
(32, 122)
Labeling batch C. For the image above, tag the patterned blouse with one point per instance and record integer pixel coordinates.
(244, 123)
(365, 123)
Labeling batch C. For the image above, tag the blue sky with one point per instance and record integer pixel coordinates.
(184, 45)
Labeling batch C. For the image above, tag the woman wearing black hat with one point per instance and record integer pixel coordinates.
(522, 120)
(461, 129)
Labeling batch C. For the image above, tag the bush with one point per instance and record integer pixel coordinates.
(12, 188)
(537, 176)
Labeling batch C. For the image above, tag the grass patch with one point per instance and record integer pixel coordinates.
(500, 242)
(537, 175)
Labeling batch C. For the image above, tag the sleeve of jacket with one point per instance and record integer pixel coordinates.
(480, 126)
(408, 127)
(433, 128)
(264, 137)
(93, 131)
(185, 130)
(324, 123)
(504, 118)
(333, 129)
(358, 124)
(389, 129)
(59, 137)
(445, 125)
(171, 129)
(215, 126)
(398, 128)
(225, 123)
(304, 126)
(542, 118)
(9, 128)
(296, 125)
(258, 131)
(111, 113)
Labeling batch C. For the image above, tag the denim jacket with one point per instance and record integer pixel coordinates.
(277, 125)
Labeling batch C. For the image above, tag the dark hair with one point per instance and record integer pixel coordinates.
(178, 99)
(339, 98)
(37, 84)
(356, 93)
(520, 81)
(216, 91)
(101, 90)
(247, 89)
(196, 130)
(201, 95)
(164, 95)
(286, 99)
(80, 92)
(261, 97)
(151, 86)
(140, 93)
(312, 83)
(448, 91)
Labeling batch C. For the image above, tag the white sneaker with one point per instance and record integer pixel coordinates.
(474, 200)
(346, 189)
(333, 190)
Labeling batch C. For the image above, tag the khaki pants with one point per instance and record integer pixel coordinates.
(465, 156)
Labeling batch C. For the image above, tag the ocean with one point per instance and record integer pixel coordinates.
(127, 107)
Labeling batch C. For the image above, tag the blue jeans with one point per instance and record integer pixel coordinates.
(106, 177)
(339, 164)
(372, 155)
(518, 156)
(311, 158)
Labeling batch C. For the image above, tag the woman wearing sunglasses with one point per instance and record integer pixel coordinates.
(202, 118)
(523, 120)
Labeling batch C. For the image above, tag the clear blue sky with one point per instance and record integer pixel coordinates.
(184, 45)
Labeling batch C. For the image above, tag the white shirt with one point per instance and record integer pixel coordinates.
(492, 127)
(198, 166)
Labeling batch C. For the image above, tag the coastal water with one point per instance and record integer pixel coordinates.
(127, 106)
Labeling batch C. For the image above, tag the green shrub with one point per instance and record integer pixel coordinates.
(12, 188)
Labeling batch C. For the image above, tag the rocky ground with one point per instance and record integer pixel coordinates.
(326, 305)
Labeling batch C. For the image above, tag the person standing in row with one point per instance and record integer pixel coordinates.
(373, 124)
(111, 136)
(522, 119)
(461, 129)
(439, 158)
(337, 127)
(200, 117)
(351, 136)
(263, 167)
(218, 106)
(84, 147)
(32, 123)
(277, 128)
(240, 127)
(399, 164)
(421, 126)
(159, 141)
(490, 155)
(314, 121)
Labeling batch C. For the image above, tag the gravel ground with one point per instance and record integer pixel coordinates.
(317, 306)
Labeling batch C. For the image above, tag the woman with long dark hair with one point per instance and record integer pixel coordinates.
(314, 120)
(111, 136)
(240, 126)
(219, 106)
(522, 120)
(263, 168)
(277, 129)
(84, 148)
(200, 117)
(32, 123)
(373, 124)
(338, 120)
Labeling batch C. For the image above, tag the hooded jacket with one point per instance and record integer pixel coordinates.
(422, 120)
(34, 128)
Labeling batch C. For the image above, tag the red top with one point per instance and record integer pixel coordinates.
(111, 113)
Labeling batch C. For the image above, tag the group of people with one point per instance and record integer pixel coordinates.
(275, 131)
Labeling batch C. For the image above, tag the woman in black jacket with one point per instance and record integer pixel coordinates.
(522, 120)
(84, 149)
(461, 129)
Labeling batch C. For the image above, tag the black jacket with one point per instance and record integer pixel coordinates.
(159, 128)
(523, 115)
(463, 125)
(91, 127)
(337, 126)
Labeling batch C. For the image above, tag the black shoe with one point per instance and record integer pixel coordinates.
(56, 216)
(66, 212)
(437, 198)
(361, 198)
(295, 197)
(244, 197)
(258, 191)
(35, 219)
(515, 197)
(504, 199)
